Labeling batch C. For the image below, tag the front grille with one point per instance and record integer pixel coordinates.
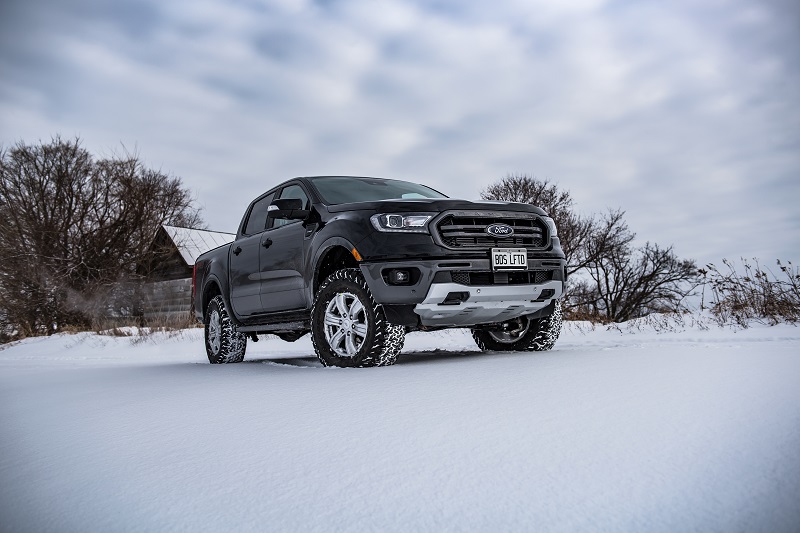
(466, 231)
(502, 278)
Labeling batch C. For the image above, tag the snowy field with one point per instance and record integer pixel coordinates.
(633, 430)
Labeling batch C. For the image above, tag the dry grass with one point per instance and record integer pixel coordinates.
(754, 293)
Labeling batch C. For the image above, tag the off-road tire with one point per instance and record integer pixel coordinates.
(223, 343)
(381, 342)
(540, 335)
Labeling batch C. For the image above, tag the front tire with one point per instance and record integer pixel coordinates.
(223, 343)
(538, 334)
(348, 328)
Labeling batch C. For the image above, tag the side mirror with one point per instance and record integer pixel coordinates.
(287, 209)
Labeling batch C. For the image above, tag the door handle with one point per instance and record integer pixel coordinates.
(237, 250)
(267, 243)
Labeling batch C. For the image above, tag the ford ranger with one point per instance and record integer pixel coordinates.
(359, 262)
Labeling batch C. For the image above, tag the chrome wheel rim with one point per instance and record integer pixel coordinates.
(516, 332)
(214, 332)
(346, 324)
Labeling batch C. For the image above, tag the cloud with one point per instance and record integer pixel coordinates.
(683, 114)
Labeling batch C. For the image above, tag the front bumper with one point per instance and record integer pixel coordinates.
(431, 295)
(484, 305)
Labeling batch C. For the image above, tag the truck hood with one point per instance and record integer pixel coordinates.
(435, 205)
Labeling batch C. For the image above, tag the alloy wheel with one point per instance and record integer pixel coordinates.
(346, 324)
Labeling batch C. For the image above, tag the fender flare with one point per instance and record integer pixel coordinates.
(214, 279)
(322, 249)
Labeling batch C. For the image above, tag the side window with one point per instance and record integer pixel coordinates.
(257, 221)
(292, 191)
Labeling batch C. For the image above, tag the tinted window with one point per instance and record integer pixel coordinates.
(296, 192)
(257, 221)
(342, 190)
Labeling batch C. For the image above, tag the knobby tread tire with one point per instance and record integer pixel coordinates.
(232, 344)
(383, 341)
(541, 335)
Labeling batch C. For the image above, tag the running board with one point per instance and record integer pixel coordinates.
(279, 326)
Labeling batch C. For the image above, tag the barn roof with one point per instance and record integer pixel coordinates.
(193, 242)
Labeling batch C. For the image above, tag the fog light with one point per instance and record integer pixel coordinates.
(399, 277)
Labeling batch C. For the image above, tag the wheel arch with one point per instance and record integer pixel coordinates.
(211, 290)
(335, 255)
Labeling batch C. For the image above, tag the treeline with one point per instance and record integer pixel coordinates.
(76, 234)
(75, 230)
(611, 280)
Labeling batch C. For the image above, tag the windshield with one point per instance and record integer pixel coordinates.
(343, 190)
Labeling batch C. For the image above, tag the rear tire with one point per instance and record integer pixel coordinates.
(538, 334)
(223, 343)
(348, 328)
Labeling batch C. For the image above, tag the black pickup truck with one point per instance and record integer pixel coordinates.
(359, 262)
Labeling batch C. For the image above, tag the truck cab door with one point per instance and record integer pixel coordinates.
(244, 260)
(282, 260)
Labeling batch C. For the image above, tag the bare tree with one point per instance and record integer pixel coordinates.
(607, 279)
(73, 226)
(528, 190)
(631, 283)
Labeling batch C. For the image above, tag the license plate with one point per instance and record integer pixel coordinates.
(509, 259)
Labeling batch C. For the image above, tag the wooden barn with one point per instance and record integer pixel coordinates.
(168, 292)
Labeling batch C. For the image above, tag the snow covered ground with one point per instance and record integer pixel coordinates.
(632, 430)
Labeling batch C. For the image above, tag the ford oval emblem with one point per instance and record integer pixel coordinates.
(500, 230)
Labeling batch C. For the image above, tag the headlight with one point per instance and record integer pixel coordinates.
(415, 223)
(551, 225)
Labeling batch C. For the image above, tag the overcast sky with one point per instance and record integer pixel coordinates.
(686, 114)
